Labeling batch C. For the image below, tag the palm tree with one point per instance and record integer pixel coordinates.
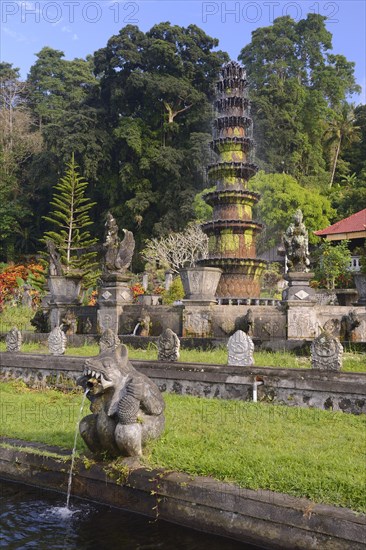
(341, 131)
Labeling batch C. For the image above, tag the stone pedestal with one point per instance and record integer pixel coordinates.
(112, 296)
(64, 295)
(298, 289)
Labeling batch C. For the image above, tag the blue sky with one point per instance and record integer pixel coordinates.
(79, 27)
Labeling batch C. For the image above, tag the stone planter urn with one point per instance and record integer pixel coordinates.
(64, 290)
(200, 283)
(360, 282)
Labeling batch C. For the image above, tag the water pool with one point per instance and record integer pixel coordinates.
(38, 519)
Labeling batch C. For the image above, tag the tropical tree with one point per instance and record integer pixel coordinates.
(157, 87)
(70, 216)
(19, 141)
(332, 262)
(341, 130)
(281, 196)
(296, 83)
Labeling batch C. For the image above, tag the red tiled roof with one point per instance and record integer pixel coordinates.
(356, 222)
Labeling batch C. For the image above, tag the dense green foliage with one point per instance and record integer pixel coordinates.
(282, 195)
(302, 452)
(138, 117)
(298, 88)
(332, 261)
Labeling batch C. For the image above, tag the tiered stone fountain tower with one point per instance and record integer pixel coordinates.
(232, 231)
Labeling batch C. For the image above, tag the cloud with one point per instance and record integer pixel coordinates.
(66, 28)
(75, 36)
(17, 36)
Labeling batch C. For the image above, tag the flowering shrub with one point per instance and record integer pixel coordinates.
(158, 290)
(93, 298)
(12, 279)
(137, 290)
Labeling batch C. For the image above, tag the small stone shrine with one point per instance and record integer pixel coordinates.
(108, 341)
(57, 341)
(240, 350)
(326, 352)
(13, 340)
(114, 291)
(168, 346)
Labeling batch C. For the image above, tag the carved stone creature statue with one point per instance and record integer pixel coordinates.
(55, 267)
(40, 321)
(69, 323)
(13, 340)
(296, 244)
(348, 324)
(109, 340)
(246, 323)
(118, 254)
(127, 406)
(57, 341)
(168, 346)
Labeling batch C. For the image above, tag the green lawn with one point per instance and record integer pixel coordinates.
(301, 452)
(352, 362)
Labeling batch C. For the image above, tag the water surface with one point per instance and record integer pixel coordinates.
(32, 518)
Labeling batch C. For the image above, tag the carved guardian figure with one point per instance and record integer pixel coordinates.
(296, 244)
(117, 254)
(127, 407)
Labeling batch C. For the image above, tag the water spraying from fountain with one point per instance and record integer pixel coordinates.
(74, 449)
(136, 329)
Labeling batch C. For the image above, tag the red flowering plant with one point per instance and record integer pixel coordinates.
(158, 290)
(137, 290)
(13, 279)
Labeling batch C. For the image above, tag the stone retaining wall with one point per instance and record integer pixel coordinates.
(271, 520)
(294, 387)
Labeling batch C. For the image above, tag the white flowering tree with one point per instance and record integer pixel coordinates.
(177, 250)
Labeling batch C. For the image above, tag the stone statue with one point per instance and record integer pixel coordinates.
(168, 346)
(326, 352)
(108, 341)
(246, 323)
(348, 324)
(127, 406)
(240, 349)
(87, 326)
(27, 299)
(142, 327)
(296, 244)
(55, 267)
(117, 254)
(57, 341)
(69, 323)
(40, 321)
(13, 340)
